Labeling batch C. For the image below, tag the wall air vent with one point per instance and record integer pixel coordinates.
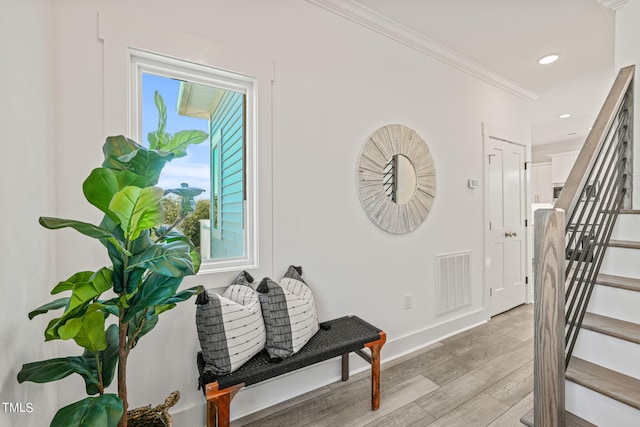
(453, 281)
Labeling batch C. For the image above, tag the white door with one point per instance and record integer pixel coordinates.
(506, 235)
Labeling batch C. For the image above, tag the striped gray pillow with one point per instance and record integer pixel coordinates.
(289, 313)
(230, 326)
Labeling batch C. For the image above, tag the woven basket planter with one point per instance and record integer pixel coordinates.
(158, 416)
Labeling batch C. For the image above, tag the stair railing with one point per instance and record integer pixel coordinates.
(570, 241)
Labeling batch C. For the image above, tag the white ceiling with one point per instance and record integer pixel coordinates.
(507, 37)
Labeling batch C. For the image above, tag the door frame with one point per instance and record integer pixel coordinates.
(513, 136)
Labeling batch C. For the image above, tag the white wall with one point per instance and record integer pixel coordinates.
(627, 53)
(27, 191)
(335, 84)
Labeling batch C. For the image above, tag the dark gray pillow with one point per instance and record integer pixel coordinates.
(230, 326)
(289, 313)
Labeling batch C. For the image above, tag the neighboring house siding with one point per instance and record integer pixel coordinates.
(228, 119)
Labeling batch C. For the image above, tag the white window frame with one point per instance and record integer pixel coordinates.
(215, 187)
(143, 61)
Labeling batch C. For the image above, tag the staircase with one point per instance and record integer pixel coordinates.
(603, 376)
(587, 282)
(602, 385)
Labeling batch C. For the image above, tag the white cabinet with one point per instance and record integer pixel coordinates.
(541, 183)
(561, 164)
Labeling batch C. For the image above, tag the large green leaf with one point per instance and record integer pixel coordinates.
(179, 297)
(67, 285)
(149, 318)
(82, 227)
(184, 295)
(148, 163)
(116, 147)
(87, 331)
(125, 154)
(137, 209)
(142, 243)
(183, 139)
(53, 305)
(111, 305)
(103, 183)
(162, 110)
(92, 334)
(84, 291)
(101, 411)
(159, 137)
(141, 324)
(85, 366)
(55, 369)
(53, 329)
(52, 332)
(173, 235)
(132, 278)
(70, 328)
(169, 259)
(164, 307)
(196, 260)
(155, 289)
(108, 358)
(115, 256)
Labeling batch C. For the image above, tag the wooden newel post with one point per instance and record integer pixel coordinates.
(549, 314)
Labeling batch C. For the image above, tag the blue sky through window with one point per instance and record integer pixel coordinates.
(194, 168)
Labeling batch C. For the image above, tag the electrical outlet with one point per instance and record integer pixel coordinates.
(407, 301)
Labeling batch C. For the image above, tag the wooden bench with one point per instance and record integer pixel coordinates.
(337, 337)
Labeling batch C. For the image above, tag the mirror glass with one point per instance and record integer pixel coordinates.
(400, 179)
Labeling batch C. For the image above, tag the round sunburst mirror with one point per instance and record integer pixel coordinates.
(396, 179)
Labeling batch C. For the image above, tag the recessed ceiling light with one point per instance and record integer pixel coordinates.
(564, 116)
(548, 59)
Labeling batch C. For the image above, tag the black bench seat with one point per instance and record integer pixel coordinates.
(337, 337)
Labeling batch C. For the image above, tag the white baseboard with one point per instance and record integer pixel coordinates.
(271, 392)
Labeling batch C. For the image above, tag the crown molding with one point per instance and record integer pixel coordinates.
(374, 21)
(612, 4)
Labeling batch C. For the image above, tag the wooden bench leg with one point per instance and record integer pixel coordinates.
(211, 413)
(375, 347)
(224, 410)
(219, 404)
(345, 367)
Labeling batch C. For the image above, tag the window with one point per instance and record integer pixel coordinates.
(221, 104)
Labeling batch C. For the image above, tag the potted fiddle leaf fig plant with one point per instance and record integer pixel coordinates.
(106, 312)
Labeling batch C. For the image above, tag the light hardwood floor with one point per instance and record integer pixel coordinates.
(480, 377)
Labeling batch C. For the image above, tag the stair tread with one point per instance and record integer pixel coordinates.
(630, 244)
(628, 283)
(570, 420)
(615, 385)
(617, 328)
